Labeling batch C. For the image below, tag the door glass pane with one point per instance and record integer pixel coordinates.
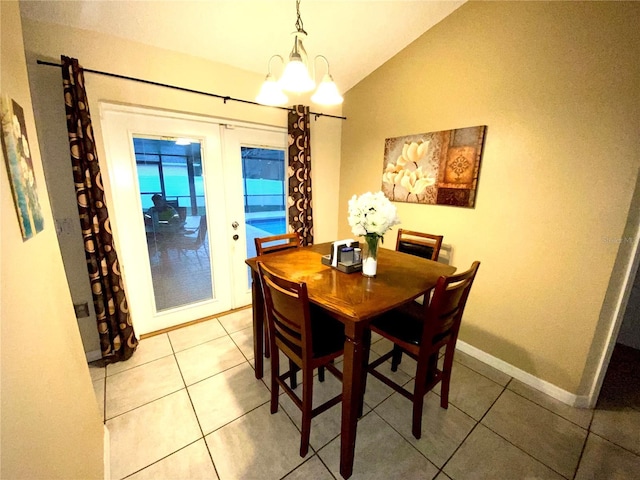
(264, 193)
(174, 213)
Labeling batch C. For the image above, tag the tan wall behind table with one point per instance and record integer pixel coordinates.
(556, 85)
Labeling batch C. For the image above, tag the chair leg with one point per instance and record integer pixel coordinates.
(446, 377)
(275, 371)
(419, 391)
(396, 358)
(416, 425)
(444, 391)
(307, 403)
(321, 374)
(293, 380)
(267, 342)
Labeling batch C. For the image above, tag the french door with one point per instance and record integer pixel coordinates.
(179, 196)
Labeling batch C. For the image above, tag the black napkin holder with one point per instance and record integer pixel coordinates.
(346, 259)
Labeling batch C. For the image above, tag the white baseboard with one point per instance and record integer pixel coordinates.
(93, 355)
(571, 399)
(107, 454)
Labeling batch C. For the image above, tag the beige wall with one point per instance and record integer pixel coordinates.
(106, 53)
(51, 424)
(557, 86)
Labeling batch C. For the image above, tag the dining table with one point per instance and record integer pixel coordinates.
(353, 299)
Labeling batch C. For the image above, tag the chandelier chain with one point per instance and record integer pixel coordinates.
(299, 25)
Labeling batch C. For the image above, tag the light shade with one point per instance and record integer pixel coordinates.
(327, 92)
(270, 93)
(296, 78)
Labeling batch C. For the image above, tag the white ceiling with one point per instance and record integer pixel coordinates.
(356, 36)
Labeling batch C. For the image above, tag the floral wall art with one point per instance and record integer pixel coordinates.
(17, 155)
(437, 168)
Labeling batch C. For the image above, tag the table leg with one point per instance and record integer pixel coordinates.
(258, 324)
(366, 347)
(352, 394)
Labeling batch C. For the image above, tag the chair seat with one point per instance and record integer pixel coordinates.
(405, 322)
(328, 333)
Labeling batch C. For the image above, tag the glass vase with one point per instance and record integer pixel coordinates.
(370, 255)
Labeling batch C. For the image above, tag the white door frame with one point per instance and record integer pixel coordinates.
(122, 176)
(235, 137)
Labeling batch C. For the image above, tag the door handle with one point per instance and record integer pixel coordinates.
(235, 225)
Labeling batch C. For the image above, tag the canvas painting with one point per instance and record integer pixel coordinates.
(437, 168)
(17, 154)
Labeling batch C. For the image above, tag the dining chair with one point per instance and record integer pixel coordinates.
(193, 240)
(307, 335)
(421, 331)
(423, 245)
(276, 243)
(272, 244)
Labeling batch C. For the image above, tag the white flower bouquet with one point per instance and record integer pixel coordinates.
(371, 215)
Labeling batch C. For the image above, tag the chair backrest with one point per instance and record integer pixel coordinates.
(444, 312)
(182, 213)
(423, 245)
(287, 312)
(276, 243)
(202, 230)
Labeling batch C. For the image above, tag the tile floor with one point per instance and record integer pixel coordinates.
(187, 406)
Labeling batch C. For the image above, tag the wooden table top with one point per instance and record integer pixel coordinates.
(400, 277)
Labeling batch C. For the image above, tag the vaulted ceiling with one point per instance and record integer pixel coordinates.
(356, 36)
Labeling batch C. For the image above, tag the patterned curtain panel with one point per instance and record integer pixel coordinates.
(117, 338)
(299, 199)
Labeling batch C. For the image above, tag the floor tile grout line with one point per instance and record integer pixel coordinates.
(453, 454)
(193, 408)
(402, 436)
(165, 395)
(136, 366)
(161, 459)
(587, 430)
(243, 354)
(205, 342)
(323, 462)
(509, 441)
(555, 413)
(237, 418)
(473, 428)
(525, 452)
(306, 460)
(504, 389)
(218, 373)
(584, 446)
(614, 443)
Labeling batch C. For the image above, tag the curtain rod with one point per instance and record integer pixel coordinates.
(223, 97)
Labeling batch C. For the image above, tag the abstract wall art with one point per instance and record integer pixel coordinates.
(15, 148)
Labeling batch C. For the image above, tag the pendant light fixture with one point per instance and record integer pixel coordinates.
(296, 77)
